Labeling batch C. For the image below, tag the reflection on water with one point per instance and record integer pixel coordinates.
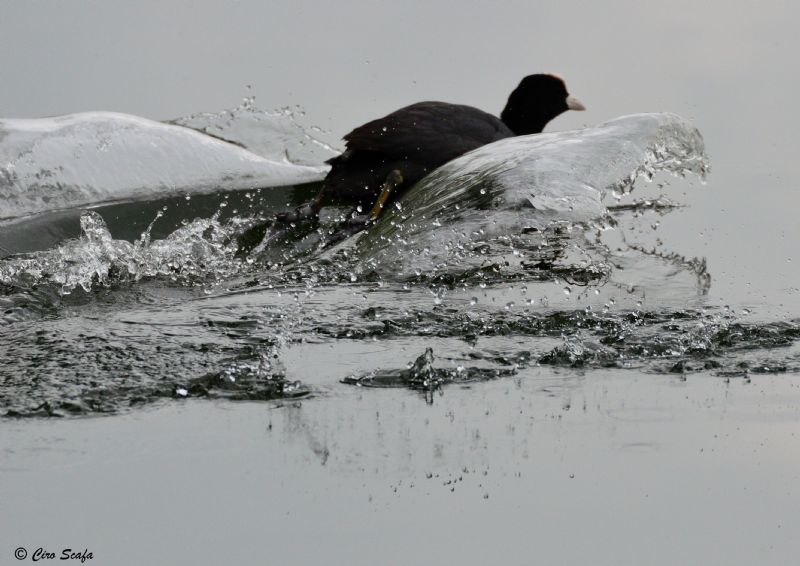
(526, 461)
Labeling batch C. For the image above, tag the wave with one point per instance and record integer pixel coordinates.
(510, 207)
(518, 193)
(49, 164)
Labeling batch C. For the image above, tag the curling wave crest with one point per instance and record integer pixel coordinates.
(48, 164)
(520, 193)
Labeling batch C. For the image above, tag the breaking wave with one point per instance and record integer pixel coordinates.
(49, 164)
(513, 198)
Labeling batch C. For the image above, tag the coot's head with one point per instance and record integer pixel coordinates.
(537, 100)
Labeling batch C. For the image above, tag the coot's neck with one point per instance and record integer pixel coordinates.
(523, 119)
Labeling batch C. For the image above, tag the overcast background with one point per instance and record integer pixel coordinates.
(346, 62)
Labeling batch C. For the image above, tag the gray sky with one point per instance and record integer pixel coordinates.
(347, 62)
(729, 66)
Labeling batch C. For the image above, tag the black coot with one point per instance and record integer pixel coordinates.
(384, 157)
(392, 153)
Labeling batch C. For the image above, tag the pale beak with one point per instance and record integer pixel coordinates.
(574, 104)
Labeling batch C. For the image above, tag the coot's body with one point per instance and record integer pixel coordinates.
(385, 157)
(416, 139)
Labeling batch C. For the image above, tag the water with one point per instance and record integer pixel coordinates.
(532, 239)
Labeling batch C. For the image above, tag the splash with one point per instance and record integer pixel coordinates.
(495, 262)
(516, 209)
(191, 254)
(678, 342)
(512, 200)
(273, 135)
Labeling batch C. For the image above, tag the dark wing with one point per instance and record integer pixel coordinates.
(433, 131)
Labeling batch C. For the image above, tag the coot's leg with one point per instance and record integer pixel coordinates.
(393, 180)
(304, 212)
(358, 223)
(260, 235)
